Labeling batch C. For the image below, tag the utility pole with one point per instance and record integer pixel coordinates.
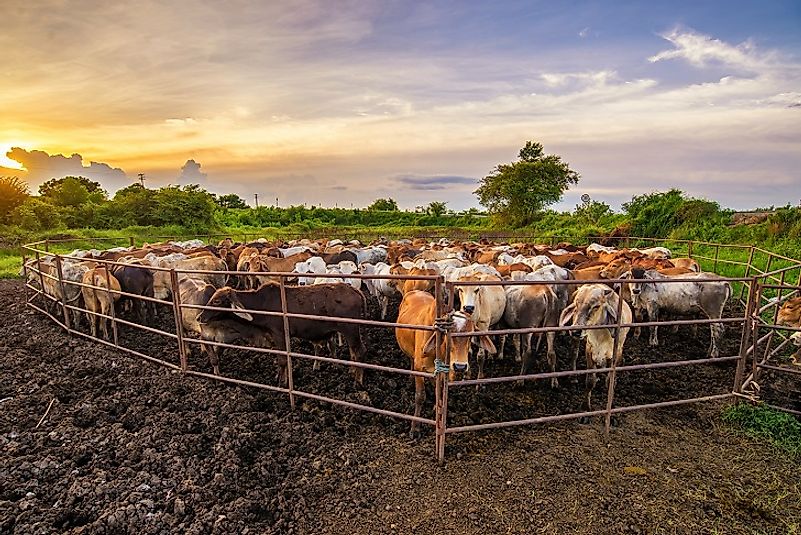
(141, 179)
(276, 202)
(257, 200)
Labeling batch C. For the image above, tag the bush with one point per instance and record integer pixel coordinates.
(13, 193)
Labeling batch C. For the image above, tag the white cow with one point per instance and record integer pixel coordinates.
(485, 304)
(315, 265)
(381, 289)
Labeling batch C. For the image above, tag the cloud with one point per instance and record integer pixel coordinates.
(584, 32)
(191, 174)
(41, 166)
(434, 182)
(702, 50)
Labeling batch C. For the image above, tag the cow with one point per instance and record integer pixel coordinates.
(137, 280)
(381, 289)
(531, 306)
(268, 264)
(698, 295)
(100, 299)
(420, 308)
(315, 265)
(485, 304)
(687, 263)
(334, 300)
(593, 305)
(162, 284)
(790, 316)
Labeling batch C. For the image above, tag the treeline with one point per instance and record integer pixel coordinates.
(76, 202)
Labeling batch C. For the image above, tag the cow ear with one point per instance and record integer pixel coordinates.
(626, 275)
(611, 311)
(486, 344)
(566, 318)
(431, 344)
(237, 306)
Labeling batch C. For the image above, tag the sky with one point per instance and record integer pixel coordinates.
(342, 102)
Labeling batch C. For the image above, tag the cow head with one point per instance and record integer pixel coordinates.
(615, 268)
(460, 346)
(469, 297)
(224, 298)
(790, 313)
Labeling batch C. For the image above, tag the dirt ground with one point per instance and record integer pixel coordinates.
(129, 447)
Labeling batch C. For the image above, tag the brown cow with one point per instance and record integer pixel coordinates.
(420, 308)
(790, 316)
(334, 300)
(99, 300)
(506, 270)
(262, 263)
(687, 263)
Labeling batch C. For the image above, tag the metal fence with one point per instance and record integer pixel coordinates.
(763, 287)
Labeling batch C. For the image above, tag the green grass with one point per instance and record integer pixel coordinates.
(779, 429)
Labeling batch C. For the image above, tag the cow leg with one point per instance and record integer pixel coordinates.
(357, 350)
(653, 315)
(516, 344)
(317, 350)
(574, 379)
(502, 346)
(384, 301)
(419, 399)
(589, 384)
(715, 331)
(92, 319)
(551, 338)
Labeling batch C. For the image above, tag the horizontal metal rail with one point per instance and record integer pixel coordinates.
(783, 369)
(569, 373)
(283, 353)
(124, 322)
(527, 330)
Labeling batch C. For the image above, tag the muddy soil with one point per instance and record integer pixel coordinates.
(128, 446)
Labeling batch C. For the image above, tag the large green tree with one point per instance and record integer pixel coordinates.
(517, 191)
(54, 184)
(230, 200)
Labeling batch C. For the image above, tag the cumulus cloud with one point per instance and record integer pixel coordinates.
(41, 166)
(434, 182)
(191, 174)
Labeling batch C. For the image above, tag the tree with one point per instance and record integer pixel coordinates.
(517, 191)
(13, 193)
(69, 192)
(436, 208)
(51, 186)
(592, 211)
(231, 200)
(384, 205)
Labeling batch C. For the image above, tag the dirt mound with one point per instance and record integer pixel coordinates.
(130, 447)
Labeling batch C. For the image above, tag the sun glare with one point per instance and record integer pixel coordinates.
(7, 162)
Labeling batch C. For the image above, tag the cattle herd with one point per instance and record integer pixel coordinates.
(230, 293)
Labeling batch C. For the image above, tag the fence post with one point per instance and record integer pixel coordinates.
(41, 279)
(612, 377)
(717, 253)
(755, 328)
(439, 380)
(288, 343)
(131, 241)
(47, 245)
(179, 324)
(25, 278)
(112, 309)
(67, 323)
(745, 337)
(748, 273)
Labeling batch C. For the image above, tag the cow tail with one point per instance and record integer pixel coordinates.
(364, 303)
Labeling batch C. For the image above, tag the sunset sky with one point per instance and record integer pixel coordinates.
(343, 102)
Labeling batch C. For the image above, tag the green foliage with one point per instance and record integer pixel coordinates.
(436, 208)
(384, 205)
(780, 429)
(70, 192)
(13, 193)
(592, 211)
(49, 188)
(517, 191)
(132, 205)
(190, 206)
(230, 200)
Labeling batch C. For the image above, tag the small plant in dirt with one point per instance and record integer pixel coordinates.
(780, 429)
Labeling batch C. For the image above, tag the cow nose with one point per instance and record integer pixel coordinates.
(636, 292)
(459, 367)
(468, 308)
